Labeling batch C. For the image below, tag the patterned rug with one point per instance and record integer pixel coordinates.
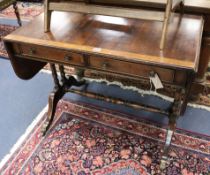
(27, 11)
(4, 30)
(88, 140)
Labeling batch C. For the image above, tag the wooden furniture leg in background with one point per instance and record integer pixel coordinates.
(17, 13)
(165, 23)
(170, 7)
(199, 84)
(47, 16)
(91, 8)
(204, 60)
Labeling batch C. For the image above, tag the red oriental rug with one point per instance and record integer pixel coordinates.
(88, 140)
(27, 11)
(4, 30)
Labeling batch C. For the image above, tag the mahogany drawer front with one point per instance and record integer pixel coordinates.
(129, 68)
(47, 53)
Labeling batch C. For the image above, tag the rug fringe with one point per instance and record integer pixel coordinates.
(23, 137)
(140, 91)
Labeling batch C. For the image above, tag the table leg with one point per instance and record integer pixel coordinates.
(190, 80)
(53, 99)
(174, 114)
(63, 75)
(57, 93)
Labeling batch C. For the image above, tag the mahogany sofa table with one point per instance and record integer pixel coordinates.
(116, 46)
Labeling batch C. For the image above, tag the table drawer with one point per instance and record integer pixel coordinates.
(129, 68)
(46, 53)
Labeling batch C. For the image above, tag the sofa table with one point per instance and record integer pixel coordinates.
(112, 45)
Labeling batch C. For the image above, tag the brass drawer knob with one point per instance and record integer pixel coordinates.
(105, 65)
(68, 58)
(32, 51)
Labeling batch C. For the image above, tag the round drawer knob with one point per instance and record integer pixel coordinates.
(32, 51)
(105, 65)
(68, 58)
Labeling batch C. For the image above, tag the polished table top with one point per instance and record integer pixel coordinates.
(128, 39)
